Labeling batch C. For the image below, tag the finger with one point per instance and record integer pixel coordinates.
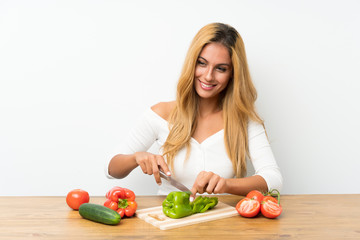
(155, 170)
(149, 165)
(212, 183)
(204, 180)
(163, 166)
(143, 167)
(220, 186)
(199, 189)
(204, 188)
(200, 182)
(193, 194)
(194, 188)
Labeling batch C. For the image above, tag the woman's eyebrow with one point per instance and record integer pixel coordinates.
(203, 58)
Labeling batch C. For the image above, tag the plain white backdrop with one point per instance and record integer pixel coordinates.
(75, 76)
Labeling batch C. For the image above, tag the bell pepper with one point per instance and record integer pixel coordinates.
(202, 204)
(121, 200)
(177, 204)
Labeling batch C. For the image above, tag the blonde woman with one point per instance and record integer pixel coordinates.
(209, 133)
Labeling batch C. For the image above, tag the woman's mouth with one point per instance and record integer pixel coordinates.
(206, 86)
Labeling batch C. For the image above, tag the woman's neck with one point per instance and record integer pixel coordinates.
(208, 107)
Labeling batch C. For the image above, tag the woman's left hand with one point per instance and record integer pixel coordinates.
(208, 182)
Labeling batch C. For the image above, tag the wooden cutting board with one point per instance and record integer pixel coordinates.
(156, 217)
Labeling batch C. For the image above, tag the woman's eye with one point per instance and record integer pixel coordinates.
(221, 69)
(201, 63)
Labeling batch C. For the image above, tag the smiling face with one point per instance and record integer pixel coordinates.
(213, 71)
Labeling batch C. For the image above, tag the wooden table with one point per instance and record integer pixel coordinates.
(303, 217)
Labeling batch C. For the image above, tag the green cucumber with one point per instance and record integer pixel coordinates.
(99, 213)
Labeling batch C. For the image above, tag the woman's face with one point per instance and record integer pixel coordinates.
(213, 70)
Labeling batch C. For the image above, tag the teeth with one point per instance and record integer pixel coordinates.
(205, 85)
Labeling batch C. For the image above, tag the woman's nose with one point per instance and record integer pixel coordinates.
(208, 74)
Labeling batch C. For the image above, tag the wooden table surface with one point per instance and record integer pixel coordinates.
(303, 217)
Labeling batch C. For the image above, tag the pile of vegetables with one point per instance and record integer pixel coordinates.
(178, 205)
(256, 202)
(120, 203)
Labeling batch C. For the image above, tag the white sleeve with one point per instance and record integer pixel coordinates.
(140, 138)
(262, 156)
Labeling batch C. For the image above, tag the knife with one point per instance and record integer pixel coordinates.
(174, 183)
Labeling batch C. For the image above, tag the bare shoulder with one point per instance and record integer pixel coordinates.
(163, 109)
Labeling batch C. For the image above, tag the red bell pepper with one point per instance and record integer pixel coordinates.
(121, 200)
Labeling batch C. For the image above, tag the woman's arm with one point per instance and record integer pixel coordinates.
(212, 183)
(262, 157)
(242, 186)
(139, 139)
(121, 165)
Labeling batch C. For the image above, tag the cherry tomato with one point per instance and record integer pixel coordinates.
(77, 197)
(256, 195)
(270, 207)
(248, 207)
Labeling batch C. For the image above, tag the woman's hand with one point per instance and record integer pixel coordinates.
(208, 182)
(151, 164)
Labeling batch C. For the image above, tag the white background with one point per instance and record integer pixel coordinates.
(76, 75)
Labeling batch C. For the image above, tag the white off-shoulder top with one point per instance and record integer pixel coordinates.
(210, 155)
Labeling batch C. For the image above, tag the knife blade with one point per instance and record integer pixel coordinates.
(174, 183)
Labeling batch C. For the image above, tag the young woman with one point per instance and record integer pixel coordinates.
(210, 132)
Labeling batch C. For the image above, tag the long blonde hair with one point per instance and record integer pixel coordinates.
(237, 100)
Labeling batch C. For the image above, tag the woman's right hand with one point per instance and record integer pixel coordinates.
(151, 164)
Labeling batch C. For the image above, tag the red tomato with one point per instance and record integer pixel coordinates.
(270, 207)
(256, 195)
(77, 197)
(269, 198)
(248, 207)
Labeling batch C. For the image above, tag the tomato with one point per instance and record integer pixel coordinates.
(270, 207)
(270, 198)
(77, 197)
(256, 195)
(248, 207)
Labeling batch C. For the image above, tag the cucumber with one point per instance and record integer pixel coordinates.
(99, 213)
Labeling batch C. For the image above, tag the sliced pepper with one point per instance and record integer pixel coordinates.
(177, 204)
(202, 204)
(121, 200)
